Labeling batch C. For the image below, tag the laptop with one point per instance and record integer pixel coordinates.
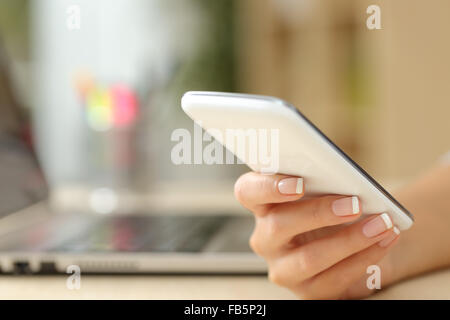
(34, 239)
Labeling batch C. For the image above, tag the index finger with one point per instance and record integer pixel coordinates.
(254, 190)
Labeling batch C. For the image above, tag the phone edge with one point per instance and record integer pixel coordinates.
(290, 106)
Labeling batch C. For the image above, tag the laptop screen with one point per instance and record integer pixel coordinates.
(21, 180)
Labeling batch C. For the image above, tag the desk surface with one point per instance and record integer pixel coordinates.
(431, 286)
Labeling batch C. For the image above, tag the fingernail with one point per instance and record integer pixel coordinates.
(377, 225)
(345, 206)
(291, 186)
(385, 242)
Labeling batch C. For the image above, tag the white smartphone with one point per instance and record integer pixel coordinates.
(272, 136)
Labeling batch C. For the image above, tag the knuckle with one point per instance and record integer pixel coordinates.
(294, 273)
(273, 227)
(255, 243)
(276, 277)
(239, 189)
(304, 262)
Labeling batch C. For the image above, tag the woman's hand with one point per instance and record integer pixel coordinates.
(308, 244)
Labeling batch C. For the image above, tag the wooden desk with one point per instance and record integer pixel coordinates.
(431, 286)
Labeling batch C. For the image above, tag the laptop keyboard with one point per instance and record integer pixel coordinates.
(159, 234)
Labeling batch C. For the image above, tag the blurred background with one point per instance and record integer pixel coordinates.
(103, 79)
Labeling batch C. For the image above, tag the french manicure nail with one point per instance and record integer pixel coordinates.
(291, 186)
(377, 225)
(385, 242)
(345, 206)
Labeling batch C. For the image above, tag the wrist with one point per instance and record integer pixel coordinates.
(424, 247)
